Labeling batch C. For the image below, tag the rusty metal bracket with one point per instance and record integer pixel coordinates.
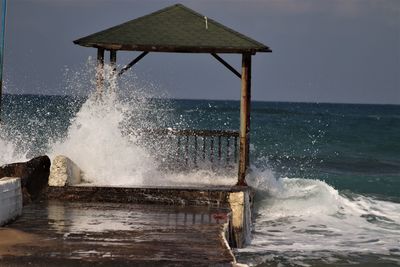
(226, 64)
(133, 62)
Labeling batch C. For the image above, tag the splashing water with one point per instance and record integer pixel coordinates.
(300, 221)
(103, 140)
(8, 152)
(95, 142)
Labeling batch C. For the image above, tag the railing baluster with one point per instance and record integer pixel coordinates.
(228, 139)
(219, 148)
(212, 149)
(170, 154)
(236, 145)
(204, 148)
(178, 153)
(195, 152)
(187, 151)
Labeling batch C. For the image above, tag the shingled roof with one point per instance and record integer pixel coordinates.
(173, 29)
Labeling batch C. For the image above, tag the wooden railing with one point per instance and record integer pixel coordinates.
(194, 148)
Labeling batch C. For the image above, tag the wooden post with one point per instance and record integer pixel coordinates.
(244, 133)
(100, 71)
(113, 60)
(113, 65)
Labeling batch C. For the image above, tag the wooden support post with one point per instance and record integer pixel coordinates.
(100, 71)
(113, 60)
(113, 65)
(244, 133)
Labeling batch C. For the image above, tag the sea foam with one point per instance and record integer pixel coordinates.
(301, 220)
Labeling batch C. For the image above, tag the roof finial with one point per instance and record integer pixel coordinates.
(205, 18)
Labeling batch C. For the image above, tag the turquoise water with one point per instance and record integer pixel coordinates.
(328, 174)
(352, 147)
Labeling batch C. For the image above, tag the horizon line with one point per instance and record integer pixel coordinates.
(207, 99)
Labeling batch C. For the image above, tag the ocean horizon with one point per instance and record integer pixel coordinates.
(216, 99)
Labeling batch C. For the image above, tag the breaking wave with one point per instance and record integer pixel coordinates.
(301, 220)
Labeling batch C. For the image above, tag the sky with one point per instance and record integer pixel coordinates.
(337, 51)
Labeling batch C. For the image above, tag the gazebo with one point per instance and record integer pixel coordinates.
(179, 29)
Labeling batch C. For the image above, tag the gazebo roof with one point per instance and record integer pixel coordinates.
(173, 29)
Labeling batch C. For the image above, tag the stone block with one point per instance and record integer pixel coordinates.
(34, 175)
(64, 172)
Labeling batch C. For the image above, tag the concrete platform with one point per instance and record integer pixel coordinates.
(55, 233)
(237, 199)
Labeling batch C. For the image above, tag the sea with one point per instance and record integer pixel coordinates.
(327, 176)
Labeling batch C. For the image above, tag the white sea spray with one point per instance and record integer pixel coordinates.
(104, 141)
(9, 152)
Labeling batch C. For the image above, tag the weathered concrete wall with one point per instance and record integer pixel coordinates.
(241, 205)
(10, 199)
(213, 197)
(63, 172)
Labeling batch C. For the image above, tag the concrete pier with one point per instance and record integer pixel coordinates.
(237, 199)
(54, 233)
(120, 226)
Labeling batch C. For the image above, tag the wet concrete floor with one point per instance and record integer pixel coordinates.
(54, 233)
